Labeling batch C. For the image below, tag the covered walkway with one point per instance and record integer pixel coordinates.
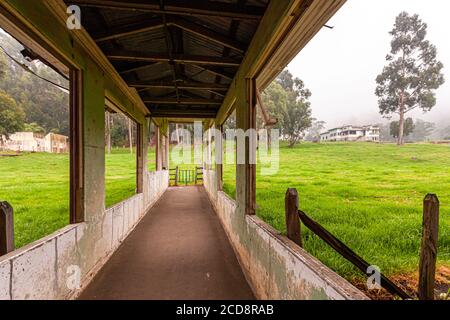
(178, 251)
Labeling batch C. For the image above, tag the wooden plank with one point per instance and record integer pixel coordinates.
(208, 34)
(202, 8)
(250, 148)
(76, 147)
(187, 115)
(348, 254)
(128, 30)
(124, 55)
(215, 71)
(6, 228)
(182, 101)
(428, 252)
(292, 218)
(180, 85)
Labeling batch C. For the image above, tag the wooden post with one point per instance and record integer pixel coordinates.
(428, 252)
(176, 176)
(6, 228)
(292, 217)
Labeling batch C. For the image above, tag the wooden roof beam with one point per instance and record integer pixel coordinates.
(139, 68)
(179, 115)
(181, 85)
(183, 101)
(180, 7)
(128, 30)
(215, 71)
(206, 33)
(177, 58)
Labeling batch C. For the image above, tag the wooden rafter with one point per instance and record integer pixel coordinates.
(184, 101)
(121, 31)
(180, 7)
(138, 68)
(183, 59)
(214, 71)
(201, 31)
(181, 85)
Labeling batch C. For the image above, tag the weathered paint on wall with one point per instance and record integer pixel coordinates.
(275, 267)
(42, 270)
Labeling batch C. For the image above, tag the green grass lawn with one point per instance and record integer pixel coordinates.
(370, 196)
(37, 186)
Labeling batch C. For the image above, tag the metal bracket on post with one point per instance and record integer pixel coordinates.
(6, 228)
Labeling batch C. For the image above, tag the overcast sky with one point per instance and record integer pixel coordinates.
(340, 65)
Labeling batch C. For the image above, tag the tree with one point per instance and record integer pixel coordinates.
(296, 115)
(33, 127)
(315, 131)
(413, 73)
(407, 129)
(286, 99)
(445, 133)
(422, 130)
(11, 116)
(3, 65)
(43, 103)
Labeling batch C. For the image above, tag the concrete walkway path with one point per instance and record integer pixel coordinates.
(178, 251)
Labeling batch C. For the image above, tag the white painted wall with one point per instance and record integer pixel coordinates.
(275, 266)
(40, 270)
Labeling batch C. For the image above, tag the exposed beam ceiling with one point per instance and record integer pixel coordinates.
(180, 7)
(183, 59)
(206, 33)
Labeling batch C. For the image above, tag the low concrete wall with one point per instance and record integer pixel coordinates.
(51, 267)
(275, 267)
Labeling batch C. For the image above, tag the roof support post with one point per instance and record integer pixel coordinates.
(141, 150)
(246, 121)
(158, 149)
(219, 158)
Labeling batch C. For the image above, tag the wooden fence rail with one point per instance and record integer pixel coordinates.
(293, 232)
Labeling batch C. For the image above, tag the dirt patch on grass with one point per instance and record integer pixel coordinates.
(409, 284)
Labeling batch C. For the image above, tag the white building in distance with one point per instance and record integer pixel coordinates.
(34, 142)
(352, 134)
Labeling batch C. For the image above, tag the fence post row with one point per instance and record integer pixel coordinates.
(6, 228)
(428, 251)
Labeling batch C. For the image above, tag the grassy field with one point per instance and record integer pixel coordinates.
(370, 196)
(37, 186)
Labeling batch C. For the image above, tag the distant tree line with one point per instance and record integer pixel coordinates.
(27, 102)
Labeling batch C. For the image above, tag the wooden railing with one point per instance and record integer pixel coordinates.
(186, 177)
(428, 254)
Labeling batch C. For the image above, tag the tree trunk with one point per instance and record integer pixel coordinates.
(108, 132)
(401, 124)
(178, 134)
(130, 135)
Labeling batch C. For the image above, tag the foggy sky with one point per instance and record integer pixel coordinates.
(340, 65)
